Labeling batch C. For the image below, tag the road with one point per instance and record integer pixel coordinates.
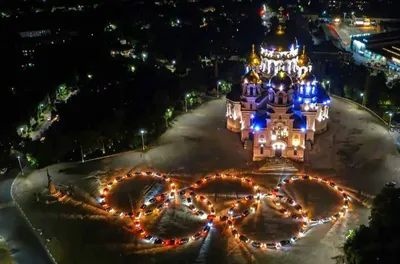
(344, 31)
(356, 152)
(20, 238)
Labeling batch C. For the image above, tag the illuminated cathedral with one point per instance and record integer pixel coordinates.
(279, 105)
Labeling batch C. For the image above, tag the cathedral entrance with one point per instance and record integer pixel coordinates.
(279, 146)
(278, 153)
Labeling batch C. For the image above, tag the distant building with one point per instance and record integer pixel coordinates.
(379, 50)
(279, 105)
(35, 33)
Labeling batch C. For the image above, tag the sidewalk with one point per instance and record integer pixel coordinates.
(394, 134)
(17, 202)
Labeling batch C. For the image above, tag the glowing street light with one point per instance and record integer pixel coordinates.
(390, 119)
(20, 165)
(186, 106)
(173, 62)
(82, 155)
(362, 98)
(218, 85)
(144, 55)
(142, 134)
(167, 115)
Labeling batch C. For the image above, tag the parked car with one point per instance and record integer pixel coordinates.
(244, 238)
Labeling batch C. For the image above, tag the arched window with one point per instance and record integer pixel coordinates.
(289, 68)
(280, 98)
(271, 96)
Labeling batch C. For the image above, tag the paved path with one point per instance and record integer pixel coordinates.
(357, 149)
(25, 247)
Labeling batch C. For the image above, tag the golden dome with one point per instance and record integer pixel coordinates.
(252, 77)
(303, 59)
(280, 30)
(254, 60)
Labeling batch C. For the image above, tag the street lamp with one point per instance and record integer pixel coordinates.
(167, 115)
(82, 156)
(329, 86)
(103, 147)
(142, 133)
(390, 119)
(219, 83)
(186, 106)
(20, 165)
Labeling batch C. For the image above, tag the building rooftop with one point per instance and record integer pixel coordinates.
(389, 51)
(300, 121)
(379, 39)
(260, 121)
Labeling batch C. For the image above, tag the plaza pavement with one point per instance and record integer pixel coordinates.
(356, 151)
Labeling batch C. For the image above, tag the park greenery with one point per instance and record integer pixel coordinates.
(134, 70)
(5, 253)
(379, 241)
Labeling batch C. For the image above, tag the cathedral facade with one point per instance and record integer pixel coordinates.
(279, 104)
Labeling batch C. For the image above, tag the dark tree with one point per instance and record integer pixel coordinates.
(379, 242)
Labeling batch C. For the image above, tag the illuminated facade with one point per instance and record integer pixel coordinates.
(279, 104)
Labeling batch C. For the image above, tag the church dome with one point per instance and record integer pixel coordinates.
(252, 77)
(254, 60)
(279, 39)
(281, 81)
(303, 59)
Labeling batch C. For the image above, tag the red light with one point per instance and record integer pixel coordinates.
(287, 14)
(261, 12)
